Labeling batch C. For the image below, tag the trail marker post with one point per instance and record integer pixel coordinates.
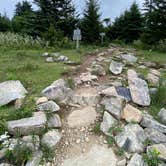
(77, 37)
(102, 37)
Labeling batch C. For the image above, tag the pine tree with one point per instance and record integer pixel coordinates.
(5, 24)
(128, 27)
(91, 24)
(155, 16)
(57, 13)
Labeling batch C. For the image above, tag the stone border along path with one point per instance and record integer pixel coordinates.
(99, 96)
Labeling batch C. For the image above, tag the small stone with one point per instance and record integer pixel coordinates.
(48, 106)
(131, 114)
(162, 115)
(122, 162)
(18, 103)
(87, 139)
(153, 80)
(41, 100)
(78, 141)
(45, 54)
(49, 59)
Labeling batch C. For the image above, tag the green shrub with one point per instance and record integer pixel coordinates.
(48, 154)
(152, 158)
(19, 155)
(119, 151)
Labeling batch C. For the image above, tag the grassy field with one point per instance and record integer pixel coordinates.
(30, 68)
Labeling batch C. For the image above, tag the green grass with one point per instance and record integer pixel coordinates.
(35, 74)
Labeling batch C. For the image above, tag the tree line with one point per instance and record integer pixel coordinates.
(54, 20)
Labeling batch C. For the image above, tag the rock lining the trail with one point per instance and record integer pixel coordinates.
(11, 91)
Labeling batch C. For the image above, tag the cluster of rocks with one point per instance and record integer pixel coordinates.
(124, 106)
(56, 57)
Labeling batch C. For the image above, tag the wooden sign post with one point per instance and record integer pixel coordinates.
(77, 37)
(102, 37)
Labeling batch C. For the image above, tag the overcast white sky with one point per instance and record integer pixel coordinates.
(109, 8)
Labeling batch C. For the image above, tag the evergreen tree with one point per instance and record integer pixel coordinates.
(91, 24)
(57, 13)
(5, 24)
(128, 27)
(155, 17)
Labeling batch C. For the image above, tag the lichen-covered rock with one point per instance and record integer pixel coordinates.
(129, 58)
(51, 138)
(58, 90)
(28, 126)
(107, 123)
(162, 115)
(131, 138)
(138, 88)
(149, 122)
(48, 106)
(155, 136)
(131, 114)
(10, 91)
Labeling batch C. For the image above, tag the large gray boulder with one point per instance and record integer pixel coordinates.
(48, 106)
(11, 91)
(138, 88)
(116, 67)
(107, 123)
(51, 139)
(131, 138)
(149, 122)
(137, 160)
(155, 136)
(162, 115)
(28, 126)
(58, 90)
(113, 105)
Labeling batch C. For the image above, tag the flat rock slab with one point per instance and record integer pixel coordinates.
(131, 138)
(138, 88)
(82, 117)
(87, 96)
(28, 126)
(10, 91)
(97, 156)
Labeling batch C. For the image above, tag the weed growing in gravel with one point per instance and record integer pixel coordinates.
(96, 128)
(48, 154)
(152, 158)
(119, 152)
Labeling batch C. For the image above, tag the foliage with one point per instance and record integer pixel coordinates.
(128, 26)
(48, 154)
(96, 128)
(152, 158)
(119, 152)
(158, 101)
(5, 24)
(9, 40)
(91, 25)
(110, 140)
(155, 27)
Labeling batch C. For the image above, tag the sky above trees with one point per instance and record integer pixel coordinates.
(109, 8)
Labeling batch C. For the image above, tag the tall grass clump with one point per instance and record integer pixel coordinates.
(13, 40)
